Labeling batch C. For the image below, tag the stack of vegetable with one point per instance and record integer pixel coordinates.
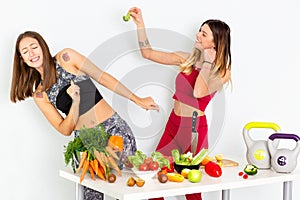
(188, 158)
(142, 162)
(94, 151)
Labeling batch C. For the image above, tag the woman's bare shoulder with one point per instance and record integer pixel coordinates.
(66, 55)
(69, 59)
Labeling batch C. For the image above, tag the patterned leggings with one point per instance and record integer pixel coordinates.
(114, 125)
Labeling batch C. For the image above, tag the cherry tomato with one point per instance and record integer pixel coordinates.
(153, 165)
(148, 160)
(143, 167)
(213, 169)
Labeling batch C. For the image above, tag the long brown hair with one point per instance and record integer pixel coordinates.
(26, 79)
(221, 35)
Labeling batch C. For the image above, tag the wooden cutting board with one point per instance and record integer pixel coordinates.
(226, 163)
(229, 163)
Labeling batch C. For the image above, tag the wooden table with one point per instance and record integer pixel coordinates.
(153, 188)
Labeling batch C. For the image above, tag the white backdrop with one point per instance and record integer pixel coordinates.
(265, 71)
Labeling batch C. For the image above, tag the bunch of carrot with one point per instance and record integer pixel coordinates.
(98, 163)
(98, 152)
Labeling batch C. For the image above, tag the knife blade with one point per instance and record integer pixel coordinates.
(194, 141)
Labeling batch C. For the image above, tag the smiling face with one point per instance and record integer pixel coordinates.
(31, 52)
(204, 38)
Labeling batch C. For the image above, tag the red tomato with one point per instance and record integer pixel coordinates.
(148, 160)
(153, 165)
(213, 169)
(143, 167)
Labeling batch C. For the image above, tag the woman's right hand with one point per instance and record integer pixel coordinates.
(74, 92)
(146, 103)
(136, 15)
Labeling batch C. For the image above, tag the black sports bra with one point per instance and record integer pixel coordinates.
(58, 96)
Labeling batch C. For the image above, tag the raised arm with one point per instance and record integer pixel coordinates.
(77, 63)
(172, 58)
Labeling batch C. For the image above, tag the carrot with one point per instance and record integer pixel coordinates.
(101, 170)
(114, 165)
(83, 158)
(84, 170)
(100, 160)
(105, 161)
(92, 171)
(95, 166)
(101, 173)
(111, 152)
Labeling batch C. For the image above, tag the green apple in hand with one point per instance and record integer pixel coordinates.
(194, 175)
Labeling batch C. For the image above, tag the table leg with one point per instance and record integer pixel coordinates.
(78, 191)
(287, 190)
(225, 194)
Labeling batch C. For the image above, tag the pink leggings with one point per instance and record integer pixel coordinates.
(177, 135)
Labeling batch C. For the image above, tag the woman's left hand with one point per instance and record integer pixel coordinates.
(74, 92)
(209, 55)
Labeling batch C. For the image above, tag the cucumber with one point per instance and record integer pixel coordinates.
(197, 159)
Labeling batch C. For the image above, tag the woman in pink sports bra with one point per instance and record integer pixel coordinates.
(203, 73)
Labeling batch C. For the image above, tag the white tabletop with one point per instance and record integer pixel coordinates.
(153, 188)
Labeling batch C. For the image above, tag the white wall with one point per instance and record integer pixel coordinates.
(265, 71)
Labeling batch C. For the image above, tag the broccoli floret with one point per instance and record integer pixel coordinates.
(126, 18)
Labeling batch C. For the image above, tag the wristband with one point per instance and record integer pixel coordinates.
(207, 62)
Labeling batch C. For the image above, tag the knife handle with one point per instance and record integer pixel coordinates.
(194, 120)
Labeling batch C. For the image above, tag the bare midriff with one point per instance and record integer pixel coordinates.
(184, 110)
(99, 113)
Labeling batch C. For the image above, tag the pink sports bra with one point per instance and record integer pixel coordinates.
(184, 88)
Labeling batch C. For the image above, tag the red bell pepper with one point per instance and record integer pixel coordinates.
(213, 169)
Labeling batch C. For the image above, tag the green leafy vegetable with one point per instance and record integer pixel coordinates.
(139, 158)
(176, 155)
(159, 157)
(89, 139)
(94, 138)
(72, 151)
(187, 158)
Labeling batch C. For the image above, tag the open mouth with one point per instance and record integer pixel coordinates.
(35, 59)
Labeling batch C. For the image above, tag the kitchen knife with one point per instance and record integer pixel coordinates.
(194, 141)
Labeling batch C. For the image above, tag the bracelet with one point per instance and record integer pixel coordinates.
(205, 61)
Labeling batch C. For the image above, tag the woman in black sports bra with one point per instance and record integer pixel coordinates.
(62, 84)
